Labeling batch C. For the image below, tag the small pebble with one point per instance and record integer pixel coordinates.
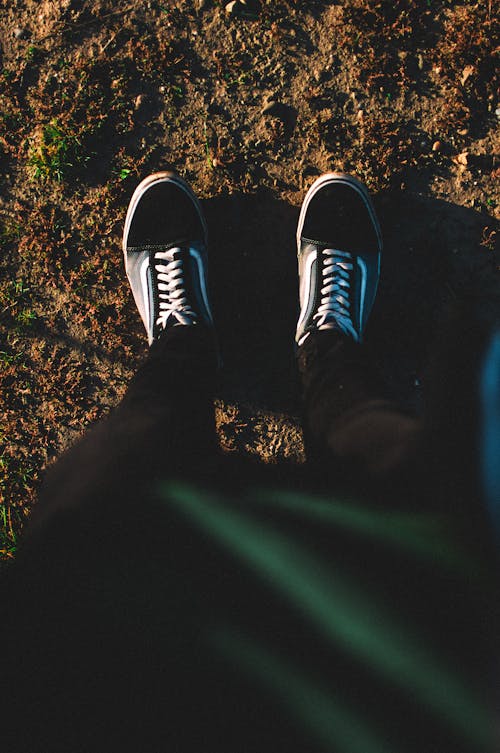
(436, 147)
(270, 107)
(140, 101)
(20, 33)
(234, 7)
(244, 8)
(467, 72)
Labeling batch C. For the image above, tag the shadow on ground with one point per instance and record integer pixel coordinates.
(432, 251)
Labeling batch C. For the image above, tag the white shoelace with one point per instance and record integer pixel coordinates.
(334, 309)
(172, 289)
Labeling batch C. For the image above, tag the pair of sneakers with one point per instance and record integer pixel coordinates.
(338, 244)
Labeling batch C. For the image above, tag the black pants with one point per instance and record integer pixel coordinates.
(165, 425)
(165, 601)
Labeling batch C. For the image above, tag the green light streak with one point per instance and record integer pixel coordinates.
(424, 536)
(326, 719)
(340, 609)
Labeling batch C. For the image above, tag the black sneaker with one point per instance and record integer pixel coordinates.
(339, 245)
(165, 248)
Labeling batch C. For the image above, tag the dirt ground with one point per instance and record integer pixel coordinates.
(249, 102)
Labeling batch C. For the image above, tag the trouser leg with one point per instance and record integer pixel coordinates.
(163, 426)
(351, 428)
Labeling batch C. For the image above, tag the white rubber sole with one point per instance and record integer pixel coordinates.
(344, 179)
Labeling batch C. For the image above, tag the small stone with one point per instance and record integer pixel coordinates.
(235, 7)
(140, 101)
(420, 62)
(271, 106)
(20, 33)
(244, 8)
(467, 72)
(436, 147)
(497, 112)
(463, 158)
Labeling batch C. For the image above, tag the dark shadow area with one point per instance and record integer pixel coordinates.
(254, 283)
(432, 252)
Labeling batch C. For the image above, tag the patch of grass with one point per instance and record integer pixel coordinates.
(14, 477)
(10, 230)
(13, 300)
(177, 91)
(8, 535)
(26, 318)
(54, 151)
(32, 52)
(124, 173)
(8, 359)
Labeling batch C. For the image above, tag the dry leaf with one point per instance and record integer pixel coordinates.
(467, 73)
